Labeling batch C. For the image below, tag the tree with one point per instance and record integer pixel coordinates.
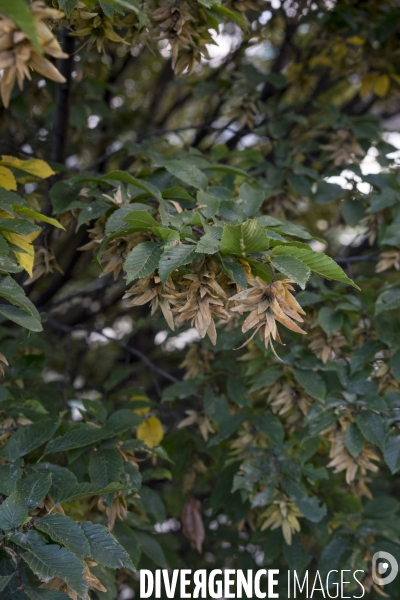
(200, 340)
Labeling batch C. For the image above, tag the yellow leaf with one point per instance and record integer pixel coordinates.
(142, 410)
(25, 258)
(7, 179)
(356, 40)
(320, 61)
(34, 166)
(367, 84)
(150, 432)
(29, 212)
(382, 85)
(395, 77)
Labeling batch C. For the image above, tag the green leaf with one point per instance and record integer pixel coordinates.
(354, 440)
(88, 489)
(28, 540)
(391, 453)
(20, 226)
(387, 198)
(52, 561)
(65, 531)
(151, 548)
(17, 11)
(330, 319)
(9, 475)
(4, 581)
(87, 435)
(146, 186)
(300, 185)
(332, 554)
(311, 508)
(65, 486)
(316, 261)
(11, 291)
(372, 427)
(252, 198)
(142, 260)
(25, 210)
(179, 390)
(208, 204)
(20, 317)
(233, 15)
(363, 355)
(234, 270)
(67, 6)
(174, 257)
(391, 235)
(140, 220)
(64, 196)
(95, 408)
(4, 249)
(105, 467)
(29, 438)
(34, 488)
(177, 193)
(272, 427)
(228, 169)
(128, 540)
(395, 365)
(187, 173)
(39, 594)
(327, 192)
(13, 512)
(62, 480)
(388, 300)
(104, 548)
(248, 238)
(120, 421)
(165, 234)
(293, 268)
(94, 210)
(134, 476)
(312, 383)
(352, 211)
(208, 244)
(83, 435)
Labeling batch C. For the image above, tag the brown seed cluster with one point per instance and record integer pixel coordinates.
(197, 361)
(342, 460)
(18, 55)
(45, 263)
(183, 30)
(388, 260)
(96, 26)
(199, 297)
(268, 304)
(114, 255)
(149, 289)
(327, 347)
(282, 513)
(245, 112)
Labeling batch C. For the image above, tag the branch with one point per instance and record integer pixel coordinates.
(350, 259)
(63, 92)
(129, 349)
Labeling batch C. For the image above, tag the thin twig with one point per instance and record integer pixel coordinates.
(66, 371)
(126, 347)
